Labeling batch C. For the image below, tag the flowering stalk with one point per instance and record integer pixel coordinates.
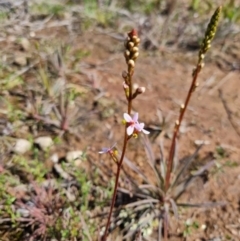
(132, 126)
(206, 44)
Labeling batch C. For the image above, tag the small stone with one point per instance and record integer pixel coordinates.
(22, 146)
(12, 38)
(20, 60)
(203, 226)
(54, 158)
(234, 232)
(73, 155)
(201, 142)
(61, 172)
(78, 162)
(188, 222)
(32, 34)
(50, 183)
(44, 142)
(71, 197)
(23, 212)
(25, 44)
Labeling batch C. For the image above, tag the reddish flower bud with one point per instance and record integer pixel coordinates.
(132, 33)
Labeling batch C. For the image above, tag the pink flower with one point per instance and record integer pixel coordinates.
(107, 150)
(133, 124)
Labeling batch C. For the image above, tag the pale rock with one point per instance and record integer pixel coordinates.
(23, 212)
(25, 44)
(50, 183)
(22, 146)
(44, 142)
(54, 158)
(73, 155)
(12, 38)
(201, 142)
(78, 162)
(71, 197)
(61, 172)
(20, 60)
(203, 226)
(32, 34)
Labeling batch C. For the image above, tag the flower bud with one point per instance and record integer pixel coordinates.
(124, 74)
(141, 90)
(135, 49)
(137, 41)
(130, 45)
(134, 38)
(135, 86)
(125, 85)
(135, 55)
(131, 63)
(127, 53)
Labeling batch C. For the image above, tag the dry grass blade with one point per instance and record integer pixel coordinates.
(181, 188)
(136, 195)
(145, 219)
(154, 189)
(184, 168)
(149, 150)
(204, 168)
(151, 160)
(85, 227)
(136, 170)
(160, 230)
(174, 208)
(203, 205)
(142, 202)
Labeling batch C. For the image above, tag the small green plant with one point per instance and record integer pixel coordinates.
(33, 169)
(48, 8)
(189, 227)
(195, 4)
(231, 11)
(97, 14)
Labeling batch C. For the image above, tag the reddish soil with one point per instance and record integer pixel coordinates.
(166, 74)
